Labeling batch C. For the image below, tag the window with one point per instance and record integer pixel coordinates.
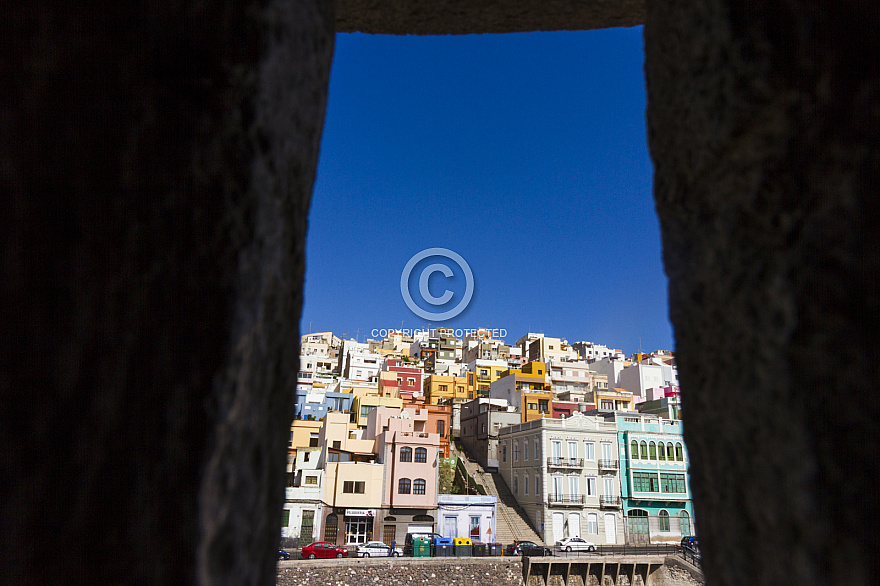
(573, 486)
(533, 406)
(672, 482)
(607, 405)
(544, 406)
(684, 523)
(537, 485)
(515, 451)
(664, 521)
(645, 482)
(526, 484)
(591, 486)
(421, 457)
(313, 440)
(679, 453)
(337, 444)
(290, 442)
(403, 486)
(443, 388)
(525, 449)
(306, 456)
(332, 457)
(644, 449)
(669, 454)
(590, 450)
(441, 427)
(419, 486)
(461, 389)
(475, 528)
(537, 453)
(634, 450)
(406, 454)
(366, 409)
(470, 394)
(411, 381)
(661, 451)
(652, 448)
(515, 484)
(312, 480)
(592, 523)
(504, 452)
(353, 487)
(484, 373)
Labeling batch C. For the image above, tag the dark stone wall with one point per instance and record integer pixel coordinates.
(156, 165)
(764, 126)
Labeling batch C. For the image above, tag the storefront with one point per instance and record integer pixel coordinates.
(358, 525)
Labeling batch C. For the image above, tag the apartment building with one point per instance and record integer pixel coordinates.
(410, 455)
(444, 389)
(526, 389)
(304, 497)
(654, 478)
(481, 419)
(486, 372)
(565, 475)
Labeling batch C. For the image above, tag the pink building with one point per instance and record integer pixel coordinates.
(410, 454)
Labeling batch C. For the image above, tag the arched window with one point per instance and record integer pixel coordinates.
(405, 454)
(637, 519)
(644, 446)
(515, 484)
(423, 519)
(421, 455)
(653, 449)
(403, 486)
(684, 522)
(330, 526)
(390, 519)
(664, 521)
(419, 486)
(679, 452)
(634, 449)
(669, 454)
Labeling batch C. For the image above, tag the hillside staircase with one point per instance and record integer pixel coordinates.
(511, 521)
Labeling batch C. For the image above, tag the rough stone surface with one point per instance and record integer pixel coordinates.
(401, 572)
(764, 126)
(156, 165)
(445, 17)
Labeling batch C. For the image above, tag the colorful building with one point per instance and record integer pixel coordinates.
(526, 389)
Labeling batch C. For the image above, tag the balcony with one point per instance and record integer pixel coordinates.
(565, 462)
(608, 464)
(609, 502)
(565, 500)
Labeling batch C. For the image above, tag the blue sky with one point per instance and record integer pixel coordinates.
(526, 154)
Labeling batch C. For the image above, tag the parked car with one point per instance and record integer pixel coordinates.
(690, 543)
(528, 548)
(408, 541)
(283, 555)
(575, 544)
(323, 549)
(377, 549)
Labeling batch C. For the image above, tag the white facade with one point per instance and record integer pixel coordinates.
(303, 500)
(638, 378)
(473, 516)
(591, 351)
(611, 368)
(565, 475)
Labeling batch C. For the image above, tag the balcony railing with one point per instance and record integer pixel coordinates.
(606, 501)
(565, 462)
(565, 499)
(608, 464)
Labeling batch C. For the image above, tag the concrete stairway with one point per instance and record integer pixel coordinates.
(511, 522)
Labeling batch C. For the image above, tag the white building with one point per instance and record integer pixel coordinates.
(638, 378)
(565, 475)
(467, 515)
(611, 368)
(590, 351)
(303, 500)
(574, 381)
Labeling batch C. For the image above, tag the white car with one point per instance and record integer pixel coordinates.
(575, 544)
(377, 549)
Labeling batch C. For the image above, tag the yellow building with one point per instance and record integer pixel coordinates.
(527, 389)
(613, 400)
(363, 404)
(441, 389)
(486, 373)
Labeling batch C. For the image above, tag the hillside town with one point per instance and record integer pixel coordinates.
(468, 436)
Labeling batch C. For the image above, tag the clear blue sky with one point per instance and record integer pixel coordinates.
(524, 153)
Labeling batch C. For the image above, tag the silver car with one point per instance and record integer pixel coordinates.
(377, 549)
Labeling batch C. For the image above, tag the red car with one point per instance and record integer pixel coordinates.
(323, 549)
